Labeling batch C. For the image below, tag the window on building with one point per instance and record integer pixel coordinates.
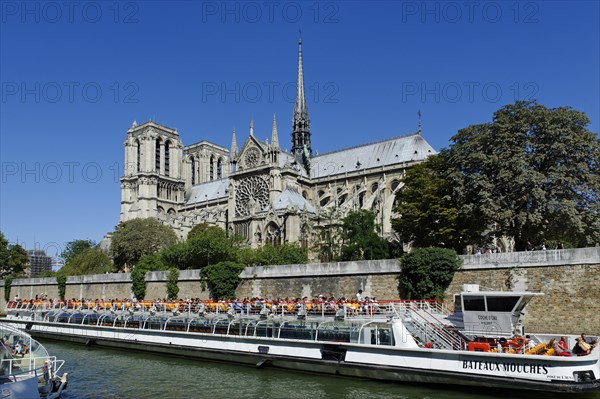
(273, 234)
(394, 185)
(167, 157)
(157, 156)
(139, 154)
(374, 187)
(219, 168)
(212, 168)
(193, 171)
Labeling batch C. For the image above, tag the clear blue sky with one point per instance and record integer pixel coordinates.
(74, 77)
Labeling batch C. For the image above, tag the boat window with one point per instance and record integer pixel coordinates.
(474, 303)
(501, 303)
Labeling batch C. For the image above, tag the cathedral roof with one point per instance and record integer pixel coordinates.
(409, 148)
(204, 192)
(290, 197)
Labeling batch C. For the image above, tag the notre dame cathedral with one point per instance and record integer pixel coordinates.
(257, 190)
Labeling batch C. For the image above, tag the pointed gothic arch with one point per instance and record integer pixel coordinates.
(139, 154)
(219, 168)
(193, 170)
(167, 158)
(272, 234)
(157, 155)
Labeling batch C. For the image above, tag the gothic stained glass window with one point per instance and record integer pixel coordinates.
(252, 193)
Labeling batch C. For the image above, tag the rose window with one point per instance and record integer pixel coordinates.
(252, 194)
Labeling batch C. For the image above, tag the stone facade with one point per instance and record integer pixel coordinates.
(259, 190)
(568, 279)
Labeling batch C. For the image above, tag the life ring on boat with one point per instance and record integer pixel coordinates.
(478, 347)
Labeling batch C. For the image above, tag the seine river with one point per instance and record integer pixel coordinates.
(96, 372)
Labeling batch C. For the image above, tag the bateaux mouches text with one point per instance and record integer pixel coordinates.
(526, 368)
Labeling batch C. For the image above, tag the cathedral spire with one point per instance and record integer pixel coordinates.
(300, 106)
(274, 135)
(419, 131)
(234, 147)
(251, 127)
(301, 147)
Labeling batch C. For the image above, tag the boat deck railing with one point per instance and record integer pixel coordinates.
(18, 369)
(424, 319)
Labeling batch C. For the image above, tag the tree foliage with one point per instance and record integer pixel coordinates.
(427, 272)
(61, 282)
(172, 279)
(136, 238)
(88, 261)
(430, 214)
(360, 240)
(13, 258)
(531, 174)
(7, 287)
(74, 248)
(148, 263)
(223, 279)
(284, 254)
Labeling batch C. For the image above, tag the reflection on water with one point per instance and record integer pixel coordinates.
(96, 372)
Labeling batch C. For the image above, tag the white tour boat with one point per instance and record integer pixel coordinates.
(481, 344)
(27, 371)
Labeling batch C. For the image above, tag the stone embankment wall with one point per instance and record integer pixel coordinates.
(569, 279)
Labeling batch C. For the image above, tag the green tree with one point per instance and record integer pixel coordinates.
(172, 279)
(208, 246)
(13, 258)
(427, 272)
(223, 279)
(430, 214)
(148, 263)
(284, 254)
(88, 261)
(74, 248)
(17, 259)
(531, 174)
(360, 240)
(136, 238)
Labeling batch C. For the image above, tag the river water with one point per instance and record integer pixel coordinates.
(96, 372)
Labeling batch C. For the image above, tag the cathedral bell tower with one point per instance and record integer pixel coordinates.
(152, 184)
(301, 147)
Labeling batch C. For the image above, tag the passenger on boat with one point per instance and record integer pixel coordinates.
(18, 349)
(583, 347)
(560, 347)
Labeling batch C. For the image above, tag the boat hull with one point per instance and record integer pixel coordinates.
(352, 360)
